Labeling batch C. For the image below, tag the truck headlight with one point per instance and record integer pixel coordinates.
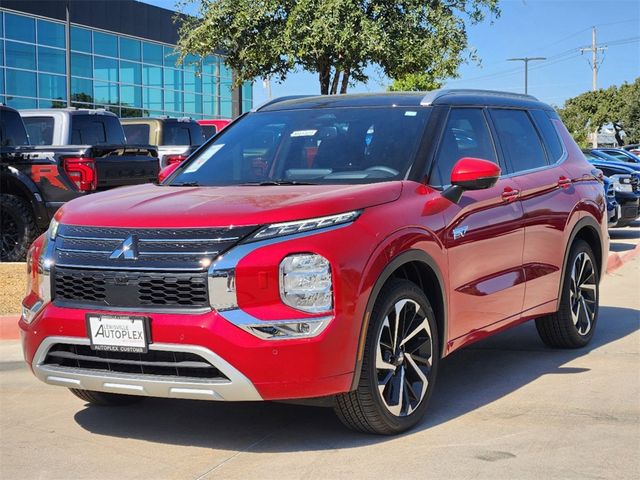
(622, 183)
(305, 282)
(53, 229)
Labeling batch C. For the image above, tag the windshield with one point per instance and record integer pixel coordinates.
(329, 145)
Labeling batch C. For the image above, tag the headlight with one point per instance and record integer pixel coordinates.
(305, 282)
(623, 187)
(53, 229)
(299, 226)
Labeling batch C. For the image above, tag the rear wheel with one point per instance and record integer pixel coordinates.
(399, 364)
(17, 228)
(573, 325)
(105, 399)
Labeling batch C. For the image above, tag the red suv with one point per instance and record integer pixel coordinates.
(333, 249)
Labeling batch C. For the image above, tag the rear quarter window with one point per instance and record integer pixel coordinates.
(549, 135)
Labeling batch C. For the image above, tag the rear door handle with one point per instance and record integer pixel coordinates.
(509, 194)
(564, 182)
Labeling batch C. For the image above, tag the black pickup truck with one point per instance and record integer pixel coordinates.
(35, 180)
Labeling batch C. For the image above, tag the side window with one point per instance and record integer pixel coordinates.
(549, 134)
(40, 130)
(519, 139)
(466, 134)
(12, 131)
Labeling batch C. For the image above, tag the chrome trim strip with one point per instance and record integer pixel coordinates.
(188, 240)
(97, 239)
(252, 325)
(132, 269)
(79, 250)
(237, 388)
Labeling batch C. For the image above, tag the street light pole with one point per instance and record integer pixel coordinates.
(526, 61)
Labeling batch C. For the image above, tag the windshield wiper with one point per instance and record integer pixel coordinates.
(277, 182)
(185, 184)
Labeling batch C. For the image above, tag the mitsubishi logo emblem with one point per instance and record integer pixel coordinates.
(128, 249)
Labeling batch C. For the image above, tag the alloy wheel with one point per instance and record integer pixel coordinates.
(583, 294)
(404, 357)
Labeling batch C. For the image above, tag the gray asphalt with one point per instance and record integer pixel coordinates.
(504, 408)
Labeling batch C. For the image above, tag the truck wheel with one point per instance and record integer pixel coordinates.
(17, 226)
(572, 326)
(105, 399)
(399, 365)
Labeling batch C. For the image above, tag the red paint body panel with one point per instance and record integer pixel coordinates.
(500, 260)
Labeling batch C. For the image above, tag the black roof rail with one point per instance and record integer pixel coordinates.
(281, 99)
(431, 97)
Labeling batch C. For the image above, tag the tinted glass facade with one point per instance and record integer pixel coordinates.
(127, 75)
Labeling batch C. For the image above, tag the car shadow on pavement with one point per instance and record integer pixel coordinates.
(468, 379)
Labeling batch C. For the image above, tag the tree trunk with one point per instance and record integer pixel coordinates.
(325, 79)
(334, 83)
(345, 81)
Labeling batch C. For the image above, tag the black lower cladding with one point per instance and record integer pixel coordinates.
(154, 362)
(104, 288)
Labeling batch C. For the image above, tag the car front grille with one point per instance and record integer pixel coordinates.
(106, 288)
(154, 362)
(179, 249)
(142, 268)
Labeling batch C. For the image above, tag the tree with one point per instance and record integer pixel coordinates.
(336, 39)
(617, 106)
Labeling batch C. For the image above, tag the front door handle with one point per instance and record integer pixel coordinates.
(510, 194)
(564, 182)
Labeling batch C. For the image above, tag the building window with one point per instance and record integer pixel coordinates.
(106, 93)
(130, 72)
(81, 90)
(129, 49)
(152, 53)
(20, 55)
(81, 40)
(19, 27)
(52, 86)
(131, 96)
(51, 60)
(105, 69)
(51, 34)
(21, 83)
(105, 44)
(81, 65)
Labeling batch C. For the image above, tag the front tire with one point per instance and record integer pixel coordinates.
(17, 228)
(104, 399)
(573, 325)
(399, 366)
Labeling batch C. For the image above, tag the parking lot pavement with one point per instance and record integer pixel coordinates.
(504, 408)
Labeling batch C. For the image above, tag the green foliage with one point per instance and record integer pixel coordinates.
(619, 106)
(413, 41)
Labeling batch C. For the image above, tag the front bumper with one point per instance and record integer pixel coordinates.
(255, 368)
(236, 387)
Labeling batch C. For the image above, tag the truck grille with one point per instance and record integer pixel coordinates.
(105, 288)
(186, 249)
(154, 362)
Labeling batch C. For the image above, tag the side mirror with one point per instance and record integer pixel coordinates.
(166, 171)
(471, 174)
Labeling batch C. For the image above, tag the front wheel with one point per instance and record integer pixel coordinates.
(399, 365)
(572, 326)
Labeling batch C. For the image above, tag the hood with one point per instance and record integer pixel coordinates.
(154, 206)
(619, 167)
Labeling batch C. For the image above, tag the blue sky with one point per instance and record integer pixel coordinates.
(555, 29)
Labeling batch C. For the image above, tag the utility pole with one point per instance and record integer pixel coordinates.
(595, 66)
(526, 61)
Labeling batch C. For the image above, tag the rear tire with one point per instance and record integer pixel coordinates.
(17, 228)
(573, 325)
(105, 399)
(399, 366)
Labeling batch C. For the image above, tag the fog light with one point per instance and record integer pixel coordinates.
(305, 282)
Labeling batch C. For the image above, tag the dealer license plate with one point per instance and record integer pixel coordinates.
(118, 333)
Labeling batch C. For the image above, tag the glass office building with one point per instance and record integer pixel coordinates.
(131, 76)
